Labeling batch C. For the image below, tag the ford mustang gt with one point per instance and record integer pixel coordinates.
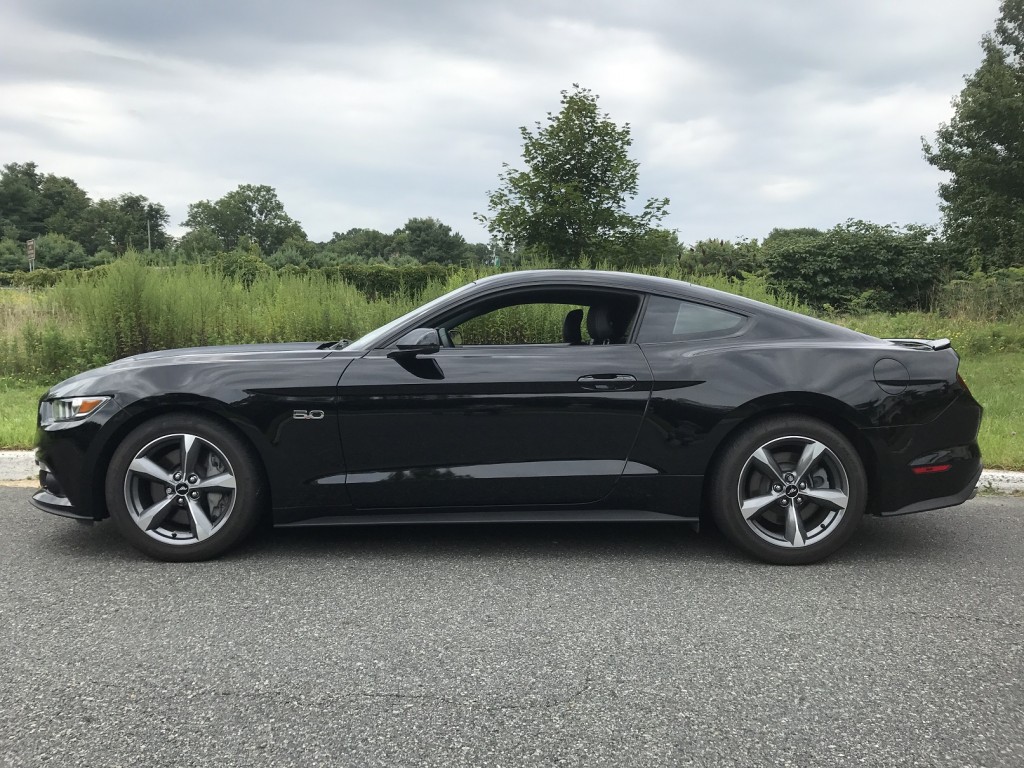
(527, 396)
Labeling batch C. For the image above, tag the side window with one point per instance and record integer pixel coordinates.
(674, 320)
(538, 323)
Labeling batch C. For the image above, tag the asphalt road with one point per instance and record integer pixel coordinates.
(614, 645)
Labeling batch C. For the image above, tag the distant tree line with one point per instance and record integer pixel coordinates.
(855, 266)
(73, 231)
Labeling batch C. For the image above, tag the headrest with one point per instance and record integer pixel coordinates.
(572, 332)
(600, 323)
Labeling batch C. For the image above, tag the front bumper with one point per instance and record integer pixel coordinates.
(57, 505)
(50, 496)
(70, 464)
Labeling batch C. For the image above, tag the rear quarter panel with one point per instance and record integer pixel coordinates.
(702, 392)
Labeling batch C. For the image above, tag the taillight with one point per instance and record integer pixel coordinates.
(931, 469)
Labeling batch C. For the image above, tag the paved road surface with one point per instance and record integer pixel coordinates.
(612, 645)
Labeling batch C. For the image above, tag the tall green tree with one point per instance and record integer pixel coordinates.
(21, 216)
(34, 204)
(128, 221)
(430, 240)
(12, 255)
(571, 201)
(252, 211)
(198, 246)
(982, 148)
(362, 245)
(64, 208)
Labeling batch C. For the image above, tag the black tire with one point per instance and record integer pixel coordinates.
(778, 510)
(183, 487)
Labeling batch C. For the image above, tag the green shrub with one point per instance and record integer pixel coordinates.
(37, 278)
(994, 296)
(57, 251)
(857, 266)
(380, 280)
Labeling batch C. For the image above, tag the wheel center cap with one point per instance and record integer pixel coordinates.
(792, 491)
(181, 489)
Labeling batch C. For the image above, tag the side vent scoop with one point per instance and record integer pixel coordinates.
(935, 344)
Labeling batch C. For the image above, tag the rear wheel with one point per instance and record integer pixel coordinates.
(789, 490)
(181, 487)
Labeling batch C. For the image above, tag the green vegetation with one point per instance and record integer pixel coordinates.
(857, 266)
(90, 318)
(969, 336)
(982, 150)
(570, 203)
(997, 384)
(18, 401)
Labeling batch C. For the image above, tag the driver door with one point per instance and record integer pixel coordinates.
(491, 425)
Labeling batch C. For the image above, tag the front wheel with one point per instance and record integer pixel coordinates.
(182, 487)
(789, 490)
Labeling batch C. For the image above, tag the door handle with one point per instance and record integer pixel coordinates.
(607, 382)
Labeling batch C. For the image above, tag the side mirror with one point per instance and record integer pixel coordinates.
(421, 341)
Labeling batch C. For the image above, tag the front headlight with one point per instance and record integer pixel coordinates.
(75, 408)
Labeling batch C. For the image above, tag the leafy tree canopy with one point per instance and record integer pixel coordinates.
(12, 255)
(430, 240)
(982, 149)
(128, 221)
(34, 204)
(252, 211)
(571, 201)
(362, 245)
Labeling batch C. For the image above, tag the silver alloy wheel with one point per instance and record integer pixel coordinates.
(180, 489)
(793, 491)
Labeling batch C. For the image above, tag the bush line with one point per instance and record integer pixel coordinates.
(72, 320)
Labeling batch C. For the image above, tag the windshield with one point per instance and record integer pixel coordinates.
(373, 338)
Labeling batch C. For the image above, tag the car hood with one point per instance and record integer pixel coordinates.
(236, 352)
(104, 380)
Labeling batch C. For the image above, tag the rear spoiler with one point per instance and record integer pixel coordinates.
(934, 344)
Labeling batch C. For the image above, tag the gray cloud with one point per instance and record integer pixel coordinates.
(748, 116)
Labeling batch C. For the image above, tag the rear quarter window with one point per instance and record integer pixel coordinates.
(675, 320)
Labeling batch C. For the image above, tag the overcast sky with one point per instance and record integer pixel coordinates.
(748, 115)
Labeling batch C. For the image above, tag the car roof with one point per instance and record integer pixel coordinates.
(665, 286)
(622, 280)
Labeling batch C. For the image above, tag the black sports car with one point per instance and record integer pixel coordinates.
(668, 401)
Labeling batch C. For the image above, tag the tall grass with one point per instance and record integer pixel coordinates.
(18, 412)
(969, 335)
(127, 307)
(131, 308)
(996, 383)
(989, 297)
